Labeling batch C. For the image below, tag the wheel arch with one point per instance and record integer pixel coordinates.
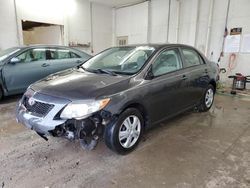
(213, 83)
(139, 106)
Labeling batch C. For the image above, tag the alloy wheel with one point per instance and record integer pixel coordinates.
(129, 131)
(209, 97)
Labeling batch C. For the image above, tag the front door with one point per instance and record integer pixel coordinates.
(167, 93)
(31, 67)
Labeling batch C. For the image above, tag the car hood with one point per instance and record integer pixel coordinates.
(77, 84)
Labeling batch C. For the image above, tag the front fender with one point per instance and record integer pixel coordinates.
(120, 102)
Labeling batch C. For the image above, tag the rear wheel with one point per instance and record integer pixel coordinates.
(207, 99)
(123, 135)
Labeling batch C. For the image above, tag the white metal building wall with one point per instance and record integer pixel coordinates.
(74, 15)
(8, 26)
(191, 26)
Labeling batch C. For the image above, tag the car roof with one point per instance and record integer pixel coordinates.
(24, 47)
(158, 45)
(44, 45)
(155, 45)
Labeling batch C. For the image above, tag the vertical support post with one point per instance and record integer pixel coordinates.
(168, 25)
(210, 18)
(149, 22)
(114, 27)
(91, 28)
(226, 22)
(197, 23)
(18, 25)
(178, 20)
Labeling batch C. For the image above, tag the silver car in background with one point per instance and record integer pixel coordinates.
(22, 66)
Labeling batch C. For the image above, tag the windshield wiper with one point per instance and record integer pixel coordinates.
(123, 73)
(98, 71)
(106, 72)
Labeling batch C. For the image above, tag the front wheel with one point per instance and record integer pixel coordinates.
(124, 134)
(207, 99)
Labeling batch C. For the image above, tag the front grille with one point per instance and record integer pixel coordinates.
(38, 108)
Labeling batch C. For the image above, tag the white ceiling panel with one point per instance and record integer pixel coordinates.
(116, 3)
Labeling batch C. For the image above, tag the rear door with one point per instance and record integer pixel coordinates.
(197, 71)
(31, 67)
(62, 58)
(167, 93)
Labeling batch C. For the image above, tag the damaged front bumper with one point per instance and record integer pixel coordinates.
(33, 112)
(37, 124)
(41, 113)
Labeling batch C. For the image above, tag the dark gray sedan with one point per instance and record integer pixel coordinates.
(119, 93)
(22, 66)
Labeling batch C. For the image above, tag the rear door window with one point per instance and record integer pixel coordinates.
(192, 58)
(74, 55)
(62, 54)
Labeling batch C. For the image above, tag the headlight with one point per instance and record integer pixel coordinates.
(83, 109)
(29, 92)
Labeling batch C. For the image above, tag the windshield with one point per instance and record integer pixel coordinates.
(6, 53)
(120, 60)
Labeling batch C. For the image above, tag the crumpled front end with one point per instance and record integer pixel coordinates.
(41, 113)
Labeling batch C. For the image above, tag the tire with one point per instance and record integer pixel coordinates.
(123, 135)
(207, 99)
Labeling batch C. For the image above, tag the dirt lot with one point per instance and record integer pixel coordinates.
(193, 150)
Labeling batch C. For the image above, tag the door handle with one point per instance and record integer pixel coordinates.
(45, 65)
(184, 77)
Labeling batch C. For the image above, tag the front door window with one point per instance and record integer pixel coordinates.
(31, 55)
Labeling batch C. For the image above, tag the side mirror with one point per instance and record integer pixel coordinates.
(149, 75)
(15, 60)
